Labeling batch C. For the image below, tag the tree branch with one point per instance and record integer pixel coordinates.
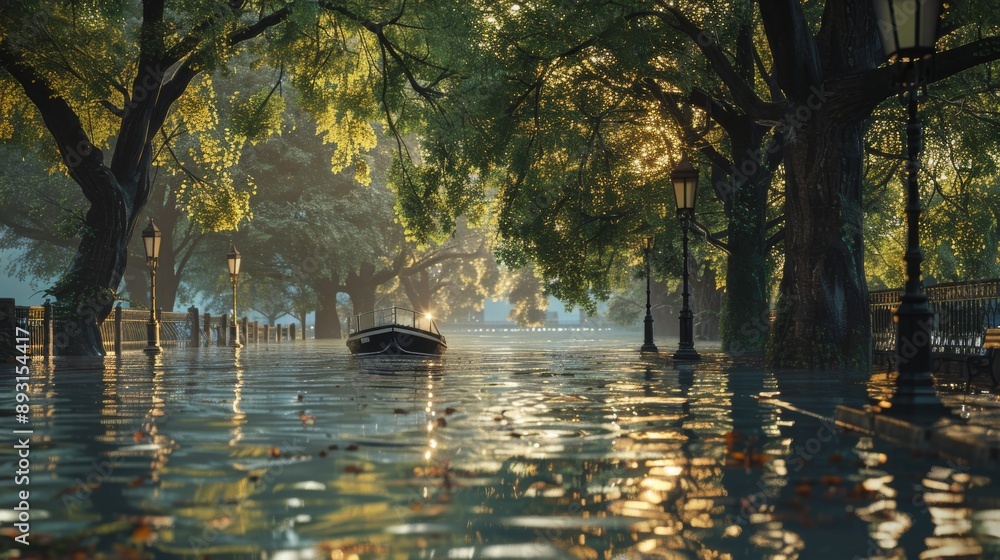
(743, 93)
(863, 91)
(776, 238)
(796, 56)
(713, 239)
(78, 152)
(38, 234)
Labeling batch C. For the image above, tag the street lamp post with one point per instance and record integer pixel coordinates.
(233, 260)
(909, 30)
(685, 179)
(647, 339)
(151, 237)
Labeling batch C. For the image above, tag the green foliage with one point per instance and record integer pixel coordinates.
(959, 185)
(627, 307)
(258, 116)
(41, 214)
(527, 297)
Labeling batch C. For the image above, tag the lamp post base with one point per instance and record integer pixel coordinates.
(234, 335)
(153, 339)
(688, 354)
(647, 339)
(915, 397)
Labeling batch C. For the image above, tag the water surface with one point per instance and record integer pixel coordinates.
(531, 445)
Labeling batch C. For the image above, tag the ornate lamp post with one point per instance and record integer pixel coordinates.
(647, 339)
(233, 260)
(151, 243)
(685, 179)
(909, 30)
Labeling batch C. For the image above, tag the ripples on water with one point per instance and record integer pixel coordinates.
(509, 447)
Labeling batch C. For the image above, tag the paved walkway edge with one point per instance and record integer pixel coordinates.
(938, 439)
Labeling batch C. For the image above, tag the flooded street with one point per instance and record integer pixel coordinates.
(531, 445)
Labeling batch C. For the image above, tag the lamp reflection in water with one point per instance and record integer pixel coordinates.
(239, 418)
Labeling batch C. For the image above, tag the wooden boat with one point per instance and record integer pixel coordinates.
(395, 331)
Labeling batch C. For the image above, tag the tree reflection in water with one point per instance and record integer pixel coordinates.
(510, 447)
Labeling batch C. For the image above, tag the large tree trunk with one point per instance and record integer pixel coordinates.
(361, 287)
(362, 298)
(327, 317)
(418, 289)
(708, 302)
(137, 281)
(166, 270)
(744, 325)
(823, 318)
(86, 293)
(302, 321)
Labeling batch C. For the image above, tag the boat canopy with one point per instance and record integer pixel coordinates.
(392, 316)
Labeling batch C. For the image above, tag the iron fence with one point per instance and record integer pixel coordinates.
(962, 313)
(126, 329)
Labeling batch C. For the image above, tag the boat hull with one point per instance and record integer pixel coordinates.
(396, 340)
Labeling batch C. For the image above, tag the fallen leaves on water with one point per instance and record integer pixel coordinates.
(353, 469)
(804, 490)
(441, 422)
(139, 435)
(137, 481)
(142, 533)
(731, 439)
(449, 411)
(747, 459)
(399, 411)
(859, 491)
(759, 458)
(300, 397)
(76, 488)
(275, 452)
(351, 447)
(831, 480)
(834, 458)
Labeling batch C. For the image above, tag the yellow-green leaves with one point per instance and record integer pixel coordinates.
(258, 116)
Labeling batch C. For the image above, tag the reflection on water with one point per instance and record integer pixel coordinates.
(507, 448)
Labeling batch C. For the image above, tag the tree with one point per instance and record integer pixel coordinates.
(140, 61)
(39, 215)
(575, 168)
(960, 189)
(526, 293)
(451, 275)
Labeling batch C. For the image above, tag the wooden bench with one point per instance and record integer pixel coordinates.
(988, 362)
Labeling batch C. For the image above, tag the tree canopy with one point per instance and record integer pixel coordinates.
(85, 78)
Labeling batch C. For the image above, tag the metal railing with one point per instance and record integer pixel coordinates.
(391, 316)
(126, 329)
(962, 313)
